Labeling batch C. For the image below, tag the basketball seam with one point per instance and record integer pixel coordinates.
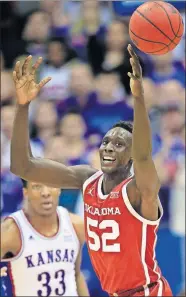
(148, 39)
(170, 20)
(149, 21)
(180, 18)
(166, 45)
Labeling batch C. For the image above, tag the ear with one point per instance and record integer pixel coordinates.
(25, 193)
(59, 192)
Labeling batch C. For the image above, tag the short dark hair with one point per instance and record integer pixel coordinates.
(125, 125)
(25, 183)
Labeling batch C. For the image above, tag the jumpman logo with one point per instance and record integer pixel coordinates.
(90, 191)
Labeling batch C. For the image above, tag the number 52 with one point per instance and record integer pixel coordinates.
(115, 247)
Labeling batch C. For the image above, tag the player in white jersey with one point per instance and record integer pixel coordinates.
(42, 245)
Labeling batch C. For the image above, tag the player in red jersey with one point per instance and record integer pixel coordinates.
(122, 211)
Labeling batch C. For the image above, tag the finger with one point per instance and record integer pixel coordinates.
(36, 65)
(17, 70)
(136, 68)
(132, 76)
(26, 65)
(132, 52)
(15, 76)
(44, 82)
(131, 62)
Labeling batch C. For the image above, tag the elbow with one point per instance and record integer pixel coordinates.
(19, 168)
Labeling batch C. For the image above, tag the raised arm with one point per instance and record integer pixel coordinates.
(146, 178)
(23, 163)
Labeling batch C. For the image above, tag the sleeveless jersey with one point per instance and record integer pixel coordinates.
(121, 243)
(45, 266)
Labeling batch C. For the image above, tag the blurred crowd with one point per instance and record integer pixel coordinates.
(84, 50)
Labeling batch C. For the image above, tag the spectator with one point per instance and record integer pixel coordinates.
(45, 122)
(56, 149)
(36, 33)
(111, 55)
(100, 117)
(164, 69)
(7, 86)
(167, 147)
(82, 95)
(170, 92)
(57, 66)
(7, 117)
(177, 214)
(72, 131)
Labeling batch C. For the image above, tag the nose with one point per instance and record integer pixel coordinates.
(45, 192)
(109, 148)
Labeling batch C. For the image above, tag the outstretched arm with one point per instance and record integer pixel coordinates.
(23, 163)
(146, 178)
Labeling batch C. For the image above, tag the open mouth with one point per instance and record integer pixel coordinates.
(108, 160)
(47, 205)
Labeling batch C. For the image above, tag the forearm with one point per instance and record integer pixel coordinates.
(141, 142)
(20, 145)
(81, 285)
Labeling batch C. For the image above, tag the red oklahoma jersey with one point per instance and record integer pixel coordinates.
(121, 243)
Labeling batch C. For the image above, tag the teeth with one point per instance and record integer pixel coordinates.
(108, 159)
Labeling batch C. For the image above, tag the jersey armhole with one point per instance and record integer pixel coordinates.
(21, 238)
(71, 225)
(134, 212)
(91, 179)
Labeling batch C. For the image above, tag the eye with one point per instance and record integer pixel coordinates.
(104, 142)
(118, 144)
(36, 187)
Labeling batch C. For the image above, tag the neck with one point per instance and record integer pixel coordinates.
(111, 180)
(46, 225)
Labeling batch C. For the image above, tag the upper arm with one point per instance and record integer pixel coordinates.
(10, 238)
(78, 225)
(143, 190)
(56, 174)
(146, 177)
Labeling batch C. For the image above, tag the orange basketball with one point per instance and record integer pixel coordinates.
(156, 27)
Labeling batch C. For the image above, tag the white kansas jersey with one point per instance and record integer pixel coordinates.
(45, 266)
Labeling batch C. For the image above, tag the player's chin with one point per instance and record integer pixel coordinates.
(108, 168)
(47, 210)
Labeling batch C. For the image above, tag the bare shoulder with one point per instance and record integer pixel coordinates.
(133, 193)
(10, 236)
(78, 224)
(9, 226)
(146, 206)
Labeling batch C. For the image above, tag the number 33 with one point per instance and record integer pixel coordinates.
(115, 247)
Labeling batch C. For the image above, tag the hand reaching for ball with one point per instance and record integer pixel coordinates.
(25, 83)
(136, 84)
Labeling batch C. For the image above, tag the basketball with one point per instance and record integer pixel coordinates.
(156, 27)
